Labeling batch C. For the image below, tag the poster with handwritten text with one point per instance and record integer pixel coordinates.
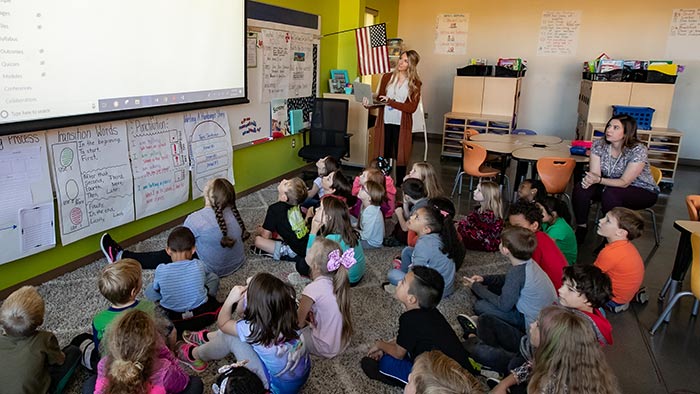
(684, 34)
(92, 176)
(159, 162)
(26, 186)
(275, 64)
(211, 153)
(302, 65)
(559, 32)
(451, 34)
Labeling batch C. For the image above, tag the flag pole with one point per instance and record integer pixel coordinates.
(347, 30)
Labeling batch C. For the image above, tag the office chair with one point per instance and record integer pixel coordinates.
(328, 135)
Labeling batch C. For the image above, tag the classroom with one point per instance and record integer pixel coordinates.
(549, 100)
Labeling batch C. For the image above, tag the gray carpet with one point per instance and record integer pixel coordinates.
(73, 299)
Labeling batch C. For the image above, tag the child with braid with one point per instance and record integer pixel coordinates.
(218, 231)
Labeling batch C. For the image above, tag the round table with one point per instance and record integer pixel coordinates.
(517, 139)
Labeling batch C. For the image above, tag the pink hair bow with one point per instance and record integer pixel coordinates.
(335, 259)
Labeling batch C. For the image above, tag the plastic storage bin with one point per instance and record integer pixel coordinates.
(475, 70)
(642, 115)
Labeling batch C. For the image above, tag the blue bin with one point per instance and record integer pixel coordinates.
(642, 115)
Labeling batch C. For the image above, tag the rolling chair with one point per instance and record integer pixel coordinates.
(694, 285)
(328, 135)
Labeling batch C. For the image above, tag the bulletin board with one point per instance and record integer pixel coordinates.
(285, 66)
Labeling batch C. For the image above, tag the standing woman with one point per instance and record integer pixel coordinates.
(618, 174)
(400, 90)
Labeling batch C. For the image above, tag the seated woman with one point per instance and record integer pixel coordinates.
(618, 174)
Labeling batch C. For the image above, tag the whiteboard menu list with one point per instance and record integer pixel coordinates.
(559, 33)
(93, 180)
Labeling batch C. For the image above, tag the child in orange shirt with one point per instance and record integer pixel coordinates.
(620, 258)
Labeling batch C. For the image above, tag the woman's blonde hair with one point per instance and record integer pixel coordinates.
(22, 312)
(320, 250)
(435, 373)
(569, 358)
(414, 81)
(132, 345)
(492, 198)
(427, 174)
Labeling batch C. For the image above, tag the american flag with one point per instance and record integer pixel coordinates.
(372, 55)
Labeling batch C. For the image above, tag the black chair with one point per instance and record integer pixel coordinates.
(328, 135)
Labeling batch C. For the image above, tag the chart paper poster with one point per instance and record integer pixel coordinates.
(275, 64)
(451, 34)
(26, 184)
(159, 162)
(559, 32)
(302, 65)
(92, 177)
(684, 34)
(211, 153)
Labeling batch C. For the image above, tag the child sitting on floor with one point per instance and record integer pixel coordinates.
(426, 173)
(434, 373)
(139, 361)
(332, 221)
(119, 283)
(519, 295)
(531, 190)
(30, 359)
(620, 258)
(437, 247)
(546, 254)
(414, 197)
(324, 166)
(421, 328)
(263, 331)
(481, 229)
(324, 309)
(384, 168)
(371, 224)
(237, 379)
(185, 291)
(284, 218)
(555, 223)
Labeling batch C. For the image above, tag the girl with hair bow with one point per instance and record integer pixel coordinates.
(324, 308)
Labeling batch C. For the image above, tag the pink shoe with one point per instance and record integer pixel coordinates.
(196, 338)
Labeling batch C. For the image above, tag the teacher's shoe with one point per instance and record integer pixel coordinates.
(110, 248)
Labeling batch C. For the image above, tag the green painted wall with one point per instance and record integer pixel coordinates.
(253, 165)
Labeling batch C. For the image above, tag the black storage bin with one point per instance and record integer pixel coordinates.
(475, 70)
(614, 75)
(653, 76)
(505, 72)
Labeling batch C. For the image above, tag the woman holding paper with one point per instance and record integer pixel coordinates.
(400, 91)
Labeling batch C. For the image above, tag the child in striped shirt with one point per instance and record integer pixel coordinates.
(183, 287)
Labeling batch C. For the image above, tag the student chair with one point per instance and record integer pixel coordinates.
(474, 156)
(694, 285)
(328, 135)
(692, 202)
(555, 173)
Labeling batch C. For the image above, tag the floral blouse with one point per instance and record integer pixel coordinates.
(614, 167)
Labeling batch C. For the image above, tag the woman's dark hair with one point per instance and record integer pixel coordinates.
(271, 310)
(553, 204)
(440, 222)
(447, 208)
(629, 125)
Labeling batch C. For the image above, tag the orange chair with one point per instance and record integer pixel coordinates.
(693, 203)
(473, 165)
(467, 134)
(694, 285)
(555, 173)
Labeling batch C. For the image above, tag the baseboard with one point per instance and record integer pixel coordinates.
(432, 137)
(83, 261)
(689, 162)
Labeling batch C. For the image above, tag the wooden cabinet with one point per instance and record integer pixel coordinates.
(663, 146)
(596, 99)
(486, 104)
(357, 126)
(456, 123)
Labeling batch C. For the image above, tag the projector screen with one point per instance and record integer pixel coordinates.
(85, 61)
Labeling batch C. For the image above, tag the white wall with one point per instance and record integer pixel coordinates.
(624, 29)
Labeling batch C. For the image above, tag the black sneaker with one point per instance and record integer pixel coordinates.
(492, 382)
(468, 324)
(110, 248)
(641, 297)
(259, 252)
